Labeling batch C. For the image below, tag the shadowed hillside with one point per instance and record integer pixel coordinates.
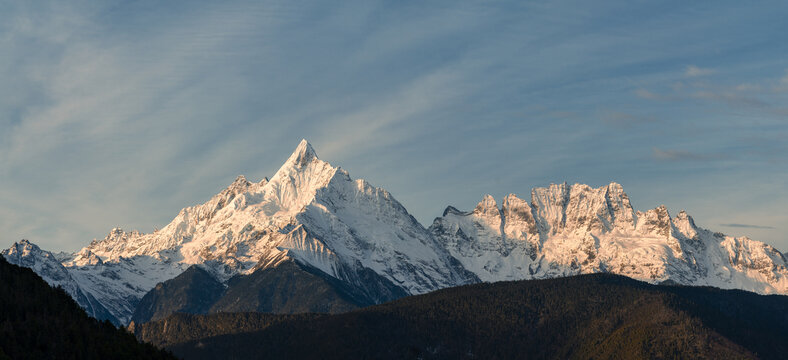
(289, 288)
(41, 322)
(590, 316)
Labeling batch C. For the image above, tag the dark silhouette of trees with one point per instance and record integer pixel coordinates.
(41, 322)
(599, 316)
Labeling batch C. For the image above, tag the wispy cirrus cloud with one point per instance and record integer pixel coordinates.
(683, 155)
(748, 226)
(731, 98)
(694, 71)
(117, 113)
(758, 98)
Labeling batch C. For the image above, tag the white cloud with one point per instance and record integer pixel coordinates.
(376, 123)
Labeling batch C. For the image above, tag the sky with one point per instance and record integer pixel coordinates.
(120, 113)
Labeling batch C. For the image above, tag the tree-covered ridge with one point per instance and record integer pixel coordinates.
(41, 322)
(598, 316)
(289, 288)
(180, 328)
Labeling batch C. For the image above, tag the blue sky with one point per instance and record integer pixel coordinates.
(120, 113)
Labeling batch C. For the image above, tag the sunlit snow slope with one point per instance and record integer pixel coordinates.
(309, 211)
(567, 230)
(316, 215)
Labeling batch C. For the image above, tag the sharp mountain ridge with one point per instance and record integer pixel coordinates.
(363, 243)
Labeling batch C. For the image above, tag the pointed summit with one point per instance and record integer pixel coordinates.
(21, 248)
(295, 183)
(303, 154)
(487, 206)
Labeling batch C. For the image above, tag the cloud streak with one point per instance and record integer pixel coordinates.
(748, 226)
(682, 155)
(694, 71)
(121, 113)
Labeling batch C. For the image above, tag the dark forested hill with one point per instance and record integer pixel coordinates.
(597, 316)
(288, 288)
(41, 322)
(193, 291)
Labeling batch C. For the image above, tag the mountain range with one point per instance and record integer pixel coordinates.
(256, 245)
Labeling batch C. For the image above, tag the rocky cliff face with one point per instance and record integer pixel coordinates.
(567, 230)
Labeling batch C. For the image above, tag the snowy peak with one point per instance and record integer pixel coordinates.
(116, 235)
(685, 225)
(302, 155)
(519, 220)
(309, 211)
(483, 240)
(595, 209)
(239, 185)
(295, 183)
(366, 226)
(117, 242)
(549, 205)
(228, 196)
(25, 249)
(581, 208)
(577, 209)
(29, 255)
(318, 216)
(26, 254)
(487, 207)
(85, 257)
(655, 221)
(618, 204)
(220, 228)
(451, 210)
(568, 230)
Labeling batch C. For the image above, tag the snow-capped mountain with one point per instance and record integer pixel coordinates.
(315, 216)
(309, 212)
(44, 263)
(568, 230)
